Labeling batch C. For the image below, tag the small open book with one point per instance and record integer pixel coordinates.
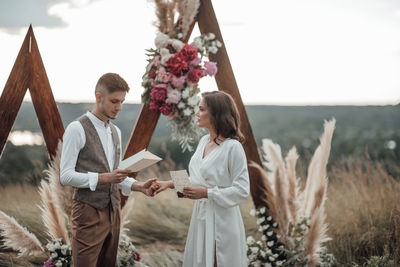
(181, 179)
(139, 161)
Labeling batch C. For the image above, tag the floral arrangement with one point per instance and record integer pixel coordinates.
(60, 254)
(127, 253)
(171, 81)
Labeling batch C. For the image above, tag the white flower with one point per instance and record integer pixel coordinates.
(275, 225)
(173, 96)
(298, 239)
(161, 40)
(165, 55)
(58, 264)
(50, 247)
(263, 238)
(250, 240)
(270, 243)
(259, 243)
(197, 43)
(263, 254)
(187, 112)
(262, 210)
(260, 220)
(268, 265)
(178, 45)
(64, 249)
(278, 263)
(257, 264)
(271, 258)
(185, 93)
(254, 250)
(57, 245)
(54, 255)
(194, 100)
(270, 233)
(278, 236)
(209, 36)
(265, 227)
(179, 35)
(196, 109)
(252, 212)
(269, 218)
(260, 229)
(181, 105)
(213, 49)
(218, 43)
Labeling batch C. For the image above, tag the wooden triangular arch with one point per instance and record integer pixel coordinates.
(28, 72)
(140, 137)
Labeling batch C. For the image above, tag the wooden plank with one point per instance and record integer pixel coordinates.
(14, 91)
(43, 100)
(226, 82)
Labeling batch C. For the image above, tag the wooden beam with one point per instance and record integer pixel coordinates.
(43, 100)
(15, 90)
(29, 73)
(226, 82)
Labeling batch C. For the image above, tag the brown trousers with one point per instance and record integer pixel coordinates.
(95, 235)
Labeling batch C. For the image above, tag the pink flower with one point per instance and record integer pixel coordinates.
(177, 65)
(211, 68)
(159, 92)
(153, 105)
(166, 109)
(178, 82)
(173, 97)
(195, 61)
(156, 61)
(137, 256)
(194, 75)
(49, 263)
(163, 76)
(188, 52)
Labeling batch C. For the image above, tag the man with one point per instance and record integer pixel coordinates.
(89, 160)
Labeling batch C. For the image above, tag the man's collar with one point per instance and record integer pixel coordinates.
(96, 120)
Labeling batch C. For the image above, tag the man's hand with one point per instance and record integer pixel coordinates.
(162, 185)
(195, 192)
(114, 177)
(145, 187)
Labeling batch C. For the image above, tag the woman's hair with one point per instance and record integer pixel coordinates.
(224, 115)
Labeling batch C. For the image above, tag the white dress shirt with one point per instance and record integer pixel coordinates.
(74, 140)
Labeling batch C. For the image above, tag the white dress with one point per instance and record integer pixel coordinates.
(216, 223)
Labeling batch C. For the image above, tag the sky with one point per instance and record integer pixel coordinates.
(291, 52)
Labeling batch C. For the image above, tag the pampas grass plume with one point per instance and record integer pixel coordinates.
(18, 237)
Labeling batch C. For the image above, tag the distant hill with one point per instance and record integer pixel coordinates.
(358, 128)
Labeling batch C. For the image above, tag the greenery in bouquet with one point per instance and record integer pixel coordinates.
(60, 254)
(171, 81)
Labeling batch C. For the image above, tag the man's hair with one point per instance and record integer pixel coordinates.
(110, 83)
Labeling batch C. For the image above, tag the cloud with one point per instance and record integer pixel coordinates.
(17, 14)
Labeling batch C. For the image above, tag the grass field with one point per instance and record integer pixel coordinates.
(362, 207)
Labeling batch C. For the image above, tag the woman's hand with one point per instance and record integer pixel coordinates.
(195, 192)
(162, 185)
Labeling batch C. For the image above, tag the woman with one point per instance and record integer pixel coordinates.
(220, 182)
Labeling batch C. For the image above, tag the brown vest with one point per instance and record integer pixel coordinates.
(92, 158)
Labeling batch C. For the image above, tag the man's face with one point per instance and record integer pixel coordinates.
(110, 104)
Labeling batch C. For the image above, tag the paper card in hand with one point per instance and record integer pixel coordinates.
(181, 179)
(139, 161)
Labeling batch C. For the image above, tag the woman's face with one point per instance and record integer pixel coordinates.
(203, 116)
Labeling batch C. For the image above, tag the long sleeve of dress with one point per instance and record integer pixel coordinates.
(239, 190)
